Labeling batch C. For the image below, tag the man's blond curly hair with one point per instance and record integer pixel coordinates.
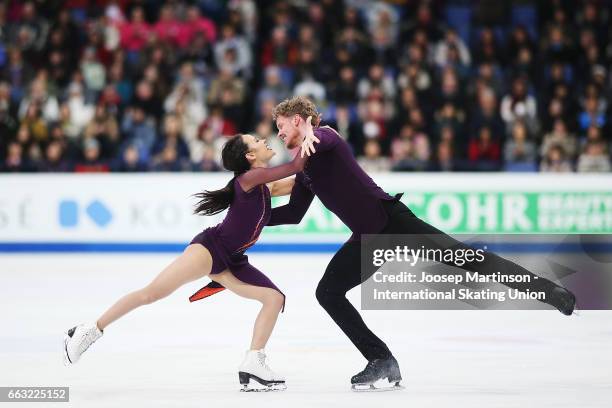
(298, 105)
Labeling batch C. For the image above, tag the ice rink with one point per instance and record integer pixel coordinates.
(177, 354)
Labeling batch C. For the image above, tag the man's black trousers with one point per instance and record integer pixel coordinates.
(344, 273)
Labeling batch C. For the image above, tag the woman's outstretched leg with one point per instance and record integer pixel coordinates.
(194, 263)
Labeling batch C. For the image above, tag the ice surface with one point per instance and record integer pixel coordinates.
(173, 353)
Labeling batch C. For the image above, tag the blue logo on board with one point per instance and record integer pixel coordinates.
(96, 210)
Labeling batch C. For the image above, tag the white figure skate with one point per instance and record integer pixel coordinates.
(77, 341)
(254, 367)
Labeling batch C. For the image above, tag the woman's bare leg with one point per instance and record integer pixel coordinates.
(194, 263)
(271, 300)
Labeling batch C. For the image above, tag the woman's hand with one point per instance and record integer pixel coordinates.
(309, 138)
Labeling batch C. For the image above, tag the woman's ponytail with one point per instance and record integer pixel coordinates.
(214, 202)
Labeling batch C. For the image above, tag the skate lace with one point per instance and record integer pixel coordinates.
(262, 361)
(368, 366)
(87, 340)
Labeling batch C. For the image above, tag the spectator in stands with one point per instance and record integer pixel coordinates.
(169, 160)
(30, 33)
(518, 104)
(594, 158)
(104, 128)
(228, 91)
(136, 33)
(373, 161)
(377, 80)
(486, 113)
(450, 90)
(343, 89)
(189, 90)
(555, 161)
(274, 88)
(592, 115)
(144, 96)
(54, 159)
(560, 136)
(348, 129)
(371, 67)
(384, 35)
(91, 161)
(14, 161)
(307, 37)
(451, 43)
(130, 161)
(18, 73)
(484, 150)
(94, 73)
(556, 45)
(218, 123)
(208, 161)
(444, 159)
(520, 150)
(415, 76)
(487, 79)
(8, 121)
(170, 29)
(233, 52)
(138, 131)
(38, 94)
(448, 117)
(487, 49)
(81, 112)
(410, 151)
(197, 23)
(172, 139)
(279, 50)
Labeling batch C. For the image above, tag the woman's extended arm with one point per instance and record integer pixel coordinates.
(264, 175)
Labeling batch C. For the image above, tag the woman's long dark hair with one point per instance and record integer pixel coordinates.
(234, 159)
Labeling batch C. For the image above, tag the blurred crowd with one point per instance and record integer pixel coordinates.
(152, 85)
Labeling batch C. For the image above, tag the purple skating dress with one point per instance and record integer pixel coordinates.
(247, 215)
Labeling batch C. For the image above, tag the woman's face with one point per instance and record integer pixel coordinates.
(259, 150)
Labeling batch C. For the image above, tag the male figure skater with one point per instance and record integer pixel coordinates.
(333, 175)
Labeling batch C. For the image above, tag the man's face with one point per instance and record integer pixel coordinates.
(288, 130)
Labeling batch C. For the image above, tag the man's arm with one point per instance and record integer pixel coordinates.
(281, 187)
(293, 212)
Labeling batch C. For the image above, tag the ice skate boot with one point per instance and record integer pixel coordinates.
(78, 339)
(254, 367)
(376, 370)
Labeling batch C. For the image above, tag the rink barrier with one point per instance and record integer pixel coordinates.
(321, 248)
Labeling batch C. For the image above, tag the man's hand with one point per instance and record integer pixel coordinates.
(309, 138)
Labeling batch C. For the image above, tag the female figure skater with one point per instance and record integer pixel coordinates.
(218, 252)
